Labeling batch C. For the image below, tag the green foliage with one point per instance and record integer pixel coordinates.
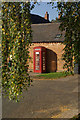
(69, 13)
(70, 23)
(16, 39)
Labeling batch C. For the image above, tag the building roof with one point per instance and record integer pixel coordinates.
(48, 32)
(36, 19)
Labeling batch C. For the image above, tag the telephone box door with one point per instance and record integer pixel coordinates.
(37, 62)
(39, 59)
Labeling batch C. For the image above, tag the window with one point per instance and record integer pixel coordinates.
(43, 60)
(37, 60)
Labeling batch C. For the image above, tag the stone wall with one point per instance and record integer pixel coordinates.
(54, 55)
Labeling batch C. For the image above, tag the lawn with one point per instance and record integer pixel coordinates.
(53, 75)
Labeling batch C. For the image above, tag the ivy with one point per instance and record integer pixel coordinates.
(16, 39)
(70, 23)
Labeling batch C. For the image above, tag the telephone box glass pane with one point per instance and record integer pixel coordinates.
(43, 60)
(37, 60)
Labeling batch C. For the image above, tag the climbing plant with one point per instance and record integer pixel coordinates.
(70, 23)
(16, 39)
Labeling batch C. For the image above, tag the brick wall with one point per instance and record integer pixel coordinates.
(54, 53)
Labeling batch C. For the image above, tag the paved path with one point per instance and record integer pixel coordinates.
(46, 99)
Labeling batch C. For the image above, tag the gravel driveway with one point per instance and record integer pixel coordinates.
(46, 99)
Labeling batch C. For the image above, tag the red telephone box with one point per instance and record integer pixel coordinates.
(39, 59)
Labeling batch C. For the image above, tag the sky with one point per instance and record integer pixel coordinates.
(43, 8)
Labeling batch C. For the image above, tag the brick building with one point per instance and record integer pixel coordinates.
(48, 35)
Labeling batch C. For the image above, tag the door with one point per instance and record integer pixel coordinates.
(37, 62)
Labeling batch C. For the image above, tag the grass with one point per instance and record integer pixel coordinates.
(53, 75)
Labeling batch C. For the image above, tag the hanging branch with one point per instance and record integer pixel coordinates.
(70, 23)
(16, 36)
